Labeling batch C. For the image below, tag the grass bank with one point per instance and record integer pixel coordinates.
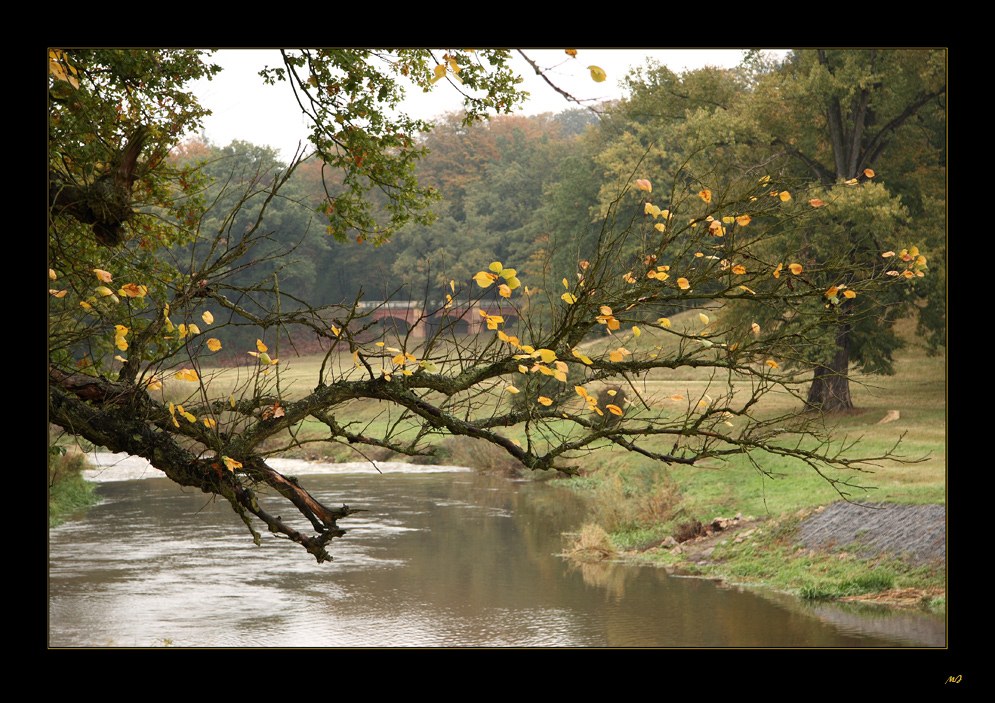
(68, 491)
(648, 511)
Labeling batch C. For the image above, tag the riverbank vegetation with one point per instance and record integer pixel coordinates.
(639, 505)
(68, 492)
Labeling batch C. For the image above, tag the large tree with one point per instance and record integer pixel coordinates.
(822, 121)
(845, 116)
(133, 316)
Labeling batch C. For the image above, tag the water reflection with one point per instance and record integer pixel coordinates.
(449, 559)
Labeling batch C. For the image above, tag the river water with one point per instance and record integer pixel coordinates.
(443, 557)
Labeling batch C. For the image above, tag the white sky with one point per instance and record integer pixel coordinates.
(243, 108)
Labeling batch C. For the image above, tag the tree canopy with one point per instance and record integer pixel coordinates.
(162, 262)
(822, 120)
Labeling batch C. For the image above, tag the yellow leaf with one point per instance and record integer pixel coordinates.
(193, 329)
(869, 173)
(663, 322)
(597, 74)
(102, 275)
(569, 52)
(210, 423)
(132, 290)
(583, 357)
(771, 363)
(581, 391)
(644, 184)
(56, 68)
(849, 294)
(569, 298)
(511, 389)
(739, 269)
(58, 293)
(703, 317)
(777, 271)
(187, 375)
(619, 354)
(833, 290)
(231, 464)
(547, 355)
(207, 317)
(784, 195)
(635, 331)
(484, 279)
(795, 268)
(683, 283)
(440, 72)
(545, 401)
(815, 202)
(260, 346)
(743, 220)
(496, 267)
(755, 327)
(676, 396)
(705, 195)
(614, 409)
(105, 292)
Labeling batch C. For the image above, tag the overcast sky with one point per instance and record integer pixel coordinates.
(243, 108)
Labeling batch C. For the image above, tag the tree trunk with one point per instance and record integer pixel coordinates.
(830, 391)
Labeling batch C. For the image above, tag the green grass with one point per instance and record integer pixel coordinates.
(68, 491)
(772, 558)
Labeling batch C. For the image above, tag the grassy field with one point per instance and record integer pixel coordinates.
(917, 392)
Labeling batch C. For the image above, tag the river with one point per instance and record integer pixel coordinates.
(443, 557)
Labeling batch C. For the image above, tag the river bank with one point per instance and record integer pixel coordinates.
(886, 554)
